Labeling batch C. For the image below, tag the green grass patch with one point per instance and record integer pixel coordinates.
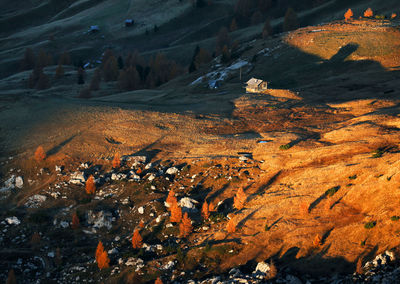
(331, 192)
(370, 225)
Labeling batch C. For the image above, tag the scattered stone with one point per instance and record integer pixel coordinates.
(100, 219)
(119, 176)
(64, 224)
(188, 205)
(13, 220)
(51, 254)
(151, 177)
(77, 178)
(141, 210)
(19, 182)
(169, 265)
(35, 201)
(172, 171)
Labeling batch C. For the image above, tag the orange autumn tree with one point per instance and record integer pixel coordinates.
(90, 185)
(368, 13)
(394, 15)
(231, 226)
(116, 162)
(40, 155)
(137, 241)
(99, 250)
(176, 213)
(211, 207)
(75, 221)
(103, 261)
(317, 241)
(185, 227)
(240, 199)
(205, 211)
(158, 281)
(348, 15)
(171, 199)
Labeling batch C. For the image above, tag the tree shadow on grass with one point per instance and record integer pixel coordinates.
(58, 147)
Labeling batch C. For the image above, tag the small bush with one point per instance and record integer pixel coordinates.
(267, 227)
(380, 17)
(330, 192)
(395, 218)
(353, 177)
(378, 153)
(370, 225)
(285, 147)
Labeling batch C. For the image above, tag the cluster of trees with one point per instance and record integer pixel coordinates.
(38, 79)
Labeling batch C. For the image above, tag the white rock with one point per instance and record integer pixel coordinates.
(188, 204)
(13, 220)
(113, 251)
(51, 254)
(172, 171)
(64, 224)
(58, 168)
(158, 219)
(169, 225)
(100, 219)
(151, 177)
(148, 166)
(77, 178)
(141, 210)
(35, 201)
(169, 265)
(117, 238)
(10, 183)
(262, 267)
(19, 182)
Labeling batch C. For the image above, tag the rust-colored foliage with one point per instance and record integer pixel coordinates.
(116, 162)
(205, 210)
(394, 15)
(185, 228)
(317, 242)
(103, 261)
(99, 250)
(11, 277)
(176, 213)
(368, 13)
(75, 221)
(90, 185)
(273, 271)
(141, 224)
(158, 281)
(359, 266)
(171, 199)
(240, 199)
(137, 241)
(211, 207)
(231, 226)
(40, 155)
(348, 15)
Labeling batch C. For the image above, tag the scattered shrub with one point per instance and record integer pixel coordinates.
(99, 250)
(176, 213)
(290, 22)
(239, 199)
(137, 241)
(370, 225)
(273, 271)
(90, 185)
(111, 70)
(95, 82)
(267, 227)
(185, 227)
(81, 76)
(380, 17)
(116, 162)
(158, 281)
(395, 218)
(394, 15)
(348, 15)
(171, 199)
(231, 226)
(378, 153)
(359, 266)
(40, 155)
(75, 221)
(267, 29)
(204, 211)
(368, 13)
(103, 261)
(353, 177)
